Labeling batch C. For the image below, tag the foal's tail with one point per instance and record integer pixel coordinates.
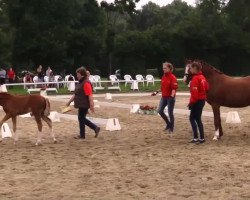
(46, 111)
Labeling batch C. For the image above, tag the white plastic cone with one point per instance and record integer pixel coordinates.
(71, 87)
(54, 116)
(3, 88)
(108, 96)
(113, 125)
(134, 85)
(43, 93)
(233, 117)
(5, 130)
(134, 108)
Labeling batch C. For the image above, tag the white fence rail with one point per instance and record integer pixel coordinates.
(64, 82)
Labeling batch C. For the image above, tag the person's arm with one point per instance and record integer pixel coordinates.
(88, 91)
(174, 86)
(71, 99)
(194, 93)
(91, 103)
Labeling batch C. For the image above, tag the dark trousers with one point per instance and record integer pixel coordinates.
(170, 102)
(11, 81)
(2, 81)
(195, 119)
(82, 112)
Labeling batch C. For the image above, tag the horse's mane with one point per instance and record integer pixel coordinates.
(205, 64)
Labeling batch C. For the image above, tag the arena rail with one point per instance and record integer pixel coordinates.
(62, 82)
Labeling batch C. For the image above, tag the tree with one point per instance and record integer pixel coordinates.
(116, 14)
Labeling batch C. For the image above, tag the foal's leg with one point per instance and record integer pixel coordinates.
(5, 118)
(217, 122)
(49, 122)
(39, 125)
(14, 129)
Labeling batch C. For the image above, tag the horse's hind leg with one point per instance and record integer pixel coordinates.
(217, 122)
(40, 126)
(49, 122)
(14, 129)
(5, 118)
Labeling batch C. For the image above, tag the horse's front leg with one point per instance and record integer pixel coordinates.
(5, 118)
(217, 122)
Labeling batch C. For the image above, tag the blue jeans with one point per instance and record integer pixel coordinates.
(170, 102)
(82, 112)
(195, 119)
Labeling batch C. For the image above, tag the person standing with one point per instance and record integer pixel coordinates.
(169, 86)
(48, 71)
(40, 74)
(2, 76)
(11, 76)
(198, 89)
(83, 100)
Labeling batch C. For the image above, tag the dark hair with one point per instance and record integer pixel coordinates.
(196, 65)
(82, 71)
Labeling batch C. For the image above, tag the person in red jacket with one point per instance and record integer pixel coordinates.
(11, 75)
(169, 86)
(198, 90)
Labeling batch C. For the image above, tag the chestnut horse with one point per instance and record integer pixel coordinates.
(223, 91)
(14, 105)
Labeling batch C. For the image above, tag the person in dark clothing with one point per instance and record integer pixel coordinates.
(198, 90)
(83, 100)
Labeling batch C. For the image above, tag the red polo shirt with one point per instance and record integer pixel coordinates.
(87, 89)
(168, 84)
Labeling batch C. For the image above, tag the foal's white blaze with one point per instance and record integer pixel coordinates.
(186, 72)
(216, 135)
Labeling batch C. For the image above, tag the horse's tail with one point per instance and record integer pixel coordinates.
(46, 111)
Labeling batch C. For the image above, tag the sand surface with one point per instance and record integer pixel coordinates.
(139, 162)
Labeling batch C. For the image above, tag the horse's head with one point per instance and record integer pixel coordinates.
(187, 75)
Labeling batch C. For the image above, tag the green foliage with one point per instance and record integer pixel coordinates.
(71, 33)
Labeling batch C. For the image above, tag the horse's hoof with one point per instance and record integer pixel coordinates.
(55, 141)
(38, 144)
(215, 138)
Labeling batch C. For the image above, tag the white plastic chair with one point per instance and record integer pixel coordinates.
(57, 77)
(93, 81)
(98, 80)
(35, 80)
(150, 79)
(67, 79)
(114, 80)
(46, 79)
(128, 79)
(24, 81)
(140, 79)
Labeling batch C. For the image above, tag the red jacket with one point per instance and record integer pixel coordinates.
(168, 84)
(11, 74)
(198, 88)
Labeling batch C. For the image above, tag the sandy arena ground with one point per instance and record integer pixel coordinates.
(139, 162)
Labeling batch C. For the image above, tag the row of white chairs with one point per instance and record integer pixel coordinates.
(129, 80)
(96, 81)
